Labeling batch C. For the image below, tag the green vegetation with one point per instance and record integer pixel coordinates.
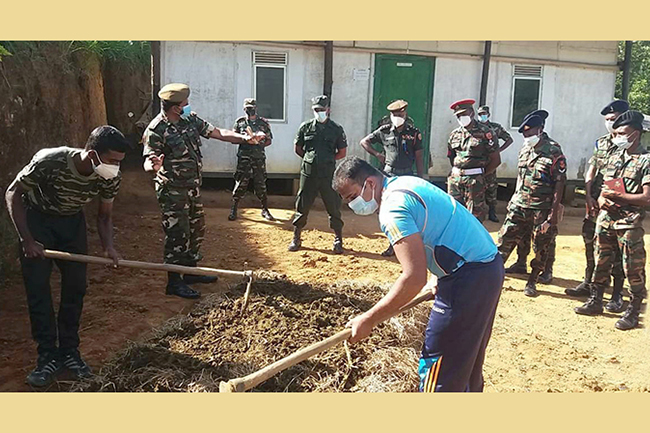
(639, 95)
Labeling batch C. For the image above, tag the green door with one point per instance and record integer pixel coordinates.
(409, 78)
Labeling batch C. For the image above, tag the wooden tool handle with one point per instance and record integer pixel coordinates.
(59, 255)
(252, 380)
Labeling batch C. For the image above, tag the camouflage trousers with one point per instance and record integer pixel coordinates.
(523, 250)
(470, 192)
(589, 237)
(630, 243)
(518, 225)
(248, 167)
(183, 221)
(491, 188)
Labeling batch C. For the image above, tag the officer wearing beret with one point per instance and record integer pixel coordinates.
(402, 146)
(320, 142)
(251, 159)
(491, 178)
(535, 205)
(623, 198)
(472, 152)
(172, 150)
(603, 148)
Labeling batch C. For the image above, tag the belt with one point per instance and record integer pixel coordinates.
(467, 171)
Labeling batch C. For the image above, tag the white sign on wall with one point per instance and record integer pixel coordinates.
(361, 74)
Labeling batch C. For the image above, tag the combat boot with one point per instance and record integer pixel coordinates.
(233, 211)
(615, 304)
(594, 304)
(176, 286)
(531, 285)
(296, 242)
(337, 248)
(630, 319)
(547, 276)
(581, 290)
(519, 267)
(265, 212)
(492, 214)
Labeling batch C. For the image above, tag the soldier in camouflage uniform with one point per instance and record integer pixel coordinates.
(625, 194)
(172, 149)
(492, 185)
(604, 147)
(472, 153)
(251, 160)
(45, 203)
(535, 205)
(320, 142)
(401, 144)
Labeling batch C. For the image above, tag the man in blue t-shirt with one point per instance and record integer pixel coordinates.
(430, 230)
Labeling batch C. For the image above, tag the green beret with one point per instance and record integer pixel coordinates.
(250, 102)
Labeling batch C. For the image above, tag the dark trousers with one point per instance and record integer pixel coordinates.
(318, 181)
(459, 328)
(63, 233)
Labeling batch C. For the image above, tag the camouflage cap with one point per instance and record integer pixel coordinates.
(483, 109)
(250, 102)
(321, 101)
(174, 92)
(398, 105)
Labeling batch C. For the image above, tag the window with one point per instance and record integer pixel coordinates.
(269, 76)
(527, 83)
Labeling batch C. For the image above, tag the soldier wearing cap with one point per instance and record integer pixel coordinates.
(172, 150)
(623, 198)
(492, 186)
(603, 148)
(402, 146)
(535, 206)
(320, 142)
(523, 247)
(251, 159)
(472, 153)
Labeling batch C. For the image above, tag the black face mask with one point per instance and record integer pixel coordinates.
(250, 111)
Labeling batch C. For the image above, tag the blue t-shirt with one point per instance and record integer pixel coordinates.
(452, 236)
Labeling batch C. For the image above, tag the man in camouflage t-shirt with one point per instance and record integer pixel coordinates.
(172, 149)
(45, 203)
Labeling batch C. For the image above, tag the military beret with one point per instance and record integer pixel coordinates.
(321, 101)
(174, 92)
(398, 105)
(617, 106)
(483, 109)
(250, 102)
(543, 114)
(630, 117)
(530, 122)
(462, 105)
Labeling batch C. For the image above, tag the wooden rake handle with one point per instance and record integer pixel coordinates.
(60, 255)
(252, 380)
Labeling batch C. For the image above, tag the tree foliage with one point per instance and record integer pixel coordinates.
(639, 95)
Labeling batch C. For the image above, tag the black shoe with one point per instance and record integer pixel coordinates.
(73, 362)
(389, 252)
(615, 304)
(517, 268)
(176, 286)
(546, 277)
(630, 319)
(296, 242)
(267, 215)
(530, 290)
(199, 279)
(581, 290)
(492, 215)
(47, 368)
(337, 248)
(594, 304)
(233, 212)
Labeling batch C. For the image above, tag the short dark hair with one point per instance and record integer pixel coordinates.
(105, 138)
(167, 105)
(353, 168)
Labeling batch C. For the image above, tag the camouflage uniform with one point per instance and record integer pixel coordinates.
(491, 185)
(539, 169)
(622, 228)
(178, 183)
(470, 148)
(399, 147)
(251, 160)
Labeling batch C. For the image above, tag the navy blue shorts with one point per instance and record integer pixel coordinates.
(459, 328)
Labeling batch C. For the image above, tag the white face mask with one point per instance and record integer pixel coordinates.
(531, 141)
(361, 207)
(622, 142)
(105, 171)
(320, 116)
(396, 120)
(464, 120)
(609, 124)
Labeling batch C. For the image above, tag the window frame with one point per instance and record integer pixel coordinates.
(284, 102)
(515, 77)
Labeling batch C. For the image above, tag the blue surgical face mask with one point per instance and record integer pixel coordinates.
(361, 207)
(186, 111)
(320, 116)
(483, 118)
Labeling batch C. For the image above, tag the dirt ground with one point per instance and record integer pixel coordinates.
(537, 345)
